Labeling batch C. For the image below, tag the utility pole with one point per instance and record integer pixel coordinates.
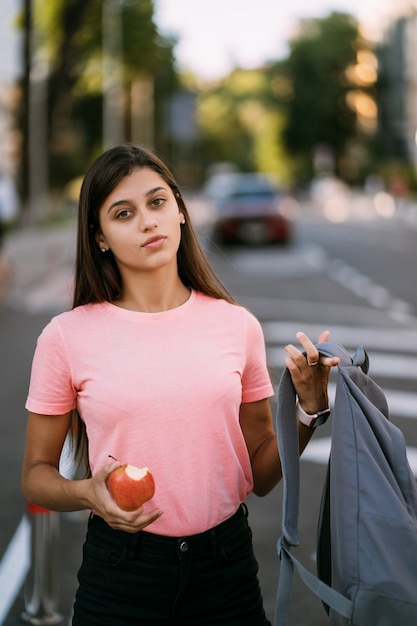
(33, 123)
(24, 106)
(113, 87)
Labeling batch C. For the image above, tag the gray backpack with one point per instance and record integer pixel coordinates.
(367, 528)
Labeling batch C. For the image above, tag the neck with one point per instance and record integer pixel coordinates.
(152, 296)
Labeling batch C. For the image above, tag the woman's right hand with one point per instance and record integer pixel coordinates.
(43, 484)
(100, 501)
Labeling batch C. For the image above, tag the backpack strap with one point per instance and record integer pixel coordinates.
(330, 597)
(360, 358)
(287, 433)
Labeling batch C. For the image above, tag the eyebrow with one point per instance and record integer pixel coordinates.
(148, 193)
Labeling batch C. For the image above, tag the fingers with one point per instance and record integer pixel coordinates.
(330, 361)
(312, 355)
(325, 360)
(134, 521)
(107, 469)
(324, 336)
(117, 518)
(310, 372)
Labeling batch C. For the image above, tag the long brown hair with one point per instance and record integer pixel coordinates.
(97, 278)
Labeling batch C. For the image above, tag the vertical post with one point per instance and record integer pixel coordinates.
(38, 143)
(35, 147)
(113, 88)
(41, 586)
(142, 111)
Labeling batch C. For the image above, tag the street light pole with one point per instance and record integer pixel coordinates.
(36, 122)
(113, 88)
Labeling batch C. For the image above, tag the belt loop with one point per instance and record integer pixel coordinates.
(133, 546)
(214, 542)
(245, 510)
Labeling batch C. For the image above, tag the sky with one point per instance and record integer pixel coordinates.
(9, 40)
(217, 35)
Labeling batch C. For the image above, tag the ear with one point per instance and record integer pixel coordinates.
(180, 204)
(101, 242)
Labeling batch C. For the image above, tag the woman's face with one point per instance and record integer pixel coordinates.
(140, 222)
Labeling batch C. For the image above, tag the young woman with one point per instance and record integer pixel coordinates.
(157, 366)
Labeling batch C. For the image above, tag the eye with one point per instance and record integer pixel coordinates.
(158, 201)
(123, 214)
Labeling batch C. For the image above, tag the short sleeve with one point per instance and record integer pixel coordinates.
(51, 391)
(256, 381)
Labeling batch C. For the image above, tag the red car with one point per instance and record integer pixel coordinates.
(249, 208)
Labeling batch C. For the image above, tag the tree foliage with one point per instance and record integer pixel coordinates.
(277, 118)
(240, 120)
(317, 111)
(69, 39)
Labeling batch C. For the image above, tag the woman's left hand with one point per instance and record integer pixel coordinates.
(310, 372)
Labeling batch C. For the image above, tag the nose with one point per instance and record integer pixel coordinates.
(148, 221)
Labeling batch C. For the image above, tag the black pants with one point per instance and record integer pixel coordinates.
(144, 579)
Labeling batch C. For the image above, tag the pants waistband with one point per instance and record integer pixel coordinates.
(161, 543)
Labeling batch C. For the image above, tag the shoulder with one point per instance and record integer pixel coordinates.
(78, 319)
(224, 311)
(219, 305)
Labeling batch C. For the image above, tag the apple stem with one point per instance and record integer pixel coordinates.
(112, 457)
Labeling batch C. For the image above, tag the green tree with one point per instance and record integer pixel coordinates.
(317, 105)
(240, 123)
(68, 39)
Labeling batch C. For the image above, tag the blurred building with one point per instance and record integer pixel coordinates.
(10, 43)
(397, 89)
(410, 104)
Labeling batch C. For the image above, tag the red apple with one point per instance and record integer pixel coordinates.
(131, 486)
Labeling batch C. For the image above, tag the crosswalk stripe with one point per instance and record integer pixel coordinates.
(400, 363)
(318, 451)
(384, 364)
(401, 404)
(397, 339)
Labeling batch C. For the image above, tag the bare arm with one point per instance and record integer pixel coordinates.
(262, 444)
(42, 483)
(311, 384)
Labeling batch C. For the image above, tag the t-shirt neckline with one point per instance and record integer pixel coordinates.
(151, 315)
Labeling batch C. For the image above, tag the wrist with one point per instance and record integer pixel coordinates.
(78, 492)
(312, 420)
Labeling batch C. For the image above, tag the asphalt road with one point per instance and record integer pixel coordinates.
(356, 279)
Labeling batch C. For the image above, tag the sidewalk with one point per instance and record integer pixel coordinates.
(40, 262)
(36, 254)
(72, 531)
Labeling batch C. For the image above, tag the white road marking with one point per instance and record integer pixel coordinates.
(393, 339)
(313, 258)
(402, 367)
(14, 567)
(363, 286)
(318, 451)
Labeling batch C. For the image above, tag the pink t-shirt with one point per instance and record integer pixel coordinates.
(161, 390)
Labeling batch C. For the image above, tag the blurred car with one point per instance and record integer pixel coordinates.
(248, 208)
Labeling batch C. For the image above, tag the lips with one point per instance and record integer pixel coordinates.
(154, 242)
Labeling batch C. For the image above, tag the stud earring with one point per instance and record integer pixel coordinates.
(183, 220)
(103, 249)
